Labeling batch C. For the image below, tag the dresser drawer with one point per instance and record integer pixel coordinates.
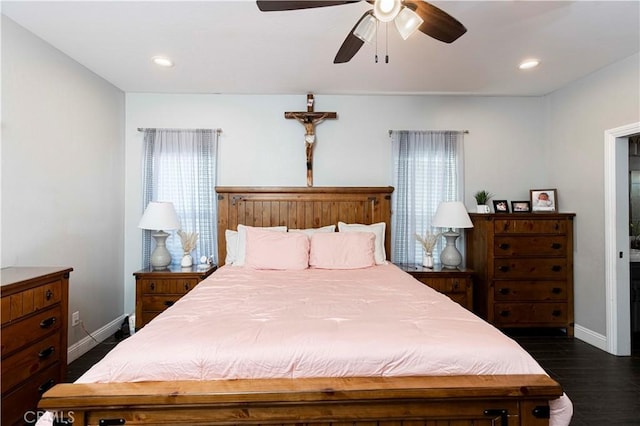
(31, 329)
(158, 303)
(531, 268)
(20, 405)
(530, 226)
(18, 305)
(530, 246)
(177, 286)
(446, 285)
(27, 362)
(529, 290)
(531, 314)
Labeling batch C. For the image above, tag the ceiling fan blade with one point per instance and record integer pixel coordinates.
(351, 44)
(437, 23)
(278, 5)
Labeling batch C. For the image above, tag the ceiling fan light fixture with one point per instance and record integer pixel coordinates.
(407, 22)
(366, 29)
(386, 10)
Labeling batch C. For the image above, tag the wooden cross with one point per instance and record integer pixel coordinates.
(310, 119)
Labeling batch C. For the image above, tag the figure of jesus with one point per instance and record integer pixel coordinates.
(309, 120)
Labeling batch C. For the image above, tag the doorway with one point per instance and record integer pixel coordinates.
(617, 250)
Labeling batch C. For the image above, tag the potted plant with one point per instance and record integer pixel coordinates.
(482, 198)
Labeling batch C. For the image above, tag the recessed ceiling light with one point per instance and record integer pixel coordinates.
(528, 64)
(162, 61)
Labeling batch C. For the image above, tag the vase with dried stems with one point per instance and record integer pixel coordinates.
(428, 242)
(188, 240)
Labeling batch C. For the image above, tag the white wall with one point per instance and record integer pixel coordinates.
(62, 173)
(258, 146)
(578, 115)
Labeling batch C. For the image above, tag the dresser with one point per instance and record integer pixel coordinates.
(455, 283)
(34, 315)
(524, 269)
(156, 290)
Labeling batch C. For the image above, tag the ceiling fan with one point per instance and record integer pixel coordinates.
(408, 16)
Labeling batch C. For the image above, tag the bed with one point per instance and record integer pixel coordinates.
(286, 385)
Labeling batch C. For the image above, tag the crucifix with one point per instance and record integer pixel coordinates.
(310, 119)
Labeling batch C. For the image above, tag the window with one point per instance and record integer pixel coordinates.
(428, 169)
(180, 166)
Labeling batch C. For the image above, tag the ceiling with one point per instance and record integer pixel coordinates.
(232, 47)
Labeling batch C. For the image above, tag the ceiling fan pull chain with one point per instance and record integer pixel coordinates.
(386, 43)
(377, 28)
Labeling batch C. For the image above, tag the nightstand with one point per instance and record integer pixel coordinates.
(455, 283)
(157, 290)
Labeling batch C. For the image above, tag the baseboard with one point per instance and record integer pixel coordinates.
(80, 348)
(591, 337)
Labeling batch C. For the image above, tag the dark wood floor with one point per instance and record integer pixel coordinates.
(604, 389)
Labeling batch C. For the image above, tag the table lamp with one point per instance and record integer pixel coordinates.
(157, 217)
(451, 214)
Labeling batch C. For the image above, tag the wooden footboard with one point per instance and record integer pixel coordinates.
(438, 401)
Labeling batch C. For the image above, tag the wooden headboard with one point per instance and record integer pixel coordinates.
(301, 207)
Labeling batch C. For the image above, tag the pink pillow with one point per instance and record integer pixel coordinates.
(276, 250)
(342, 250)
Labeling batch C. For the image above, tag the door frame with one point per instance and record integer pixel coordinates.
(616, 232)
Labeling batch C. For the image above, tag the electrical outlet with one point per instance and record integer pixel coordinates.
(75, 318)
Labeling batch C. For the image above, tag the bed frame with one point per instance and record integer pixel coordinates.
(520, 400)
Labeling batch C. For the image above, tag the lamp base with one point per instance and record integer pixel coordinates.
(450, 256)
(160, 258)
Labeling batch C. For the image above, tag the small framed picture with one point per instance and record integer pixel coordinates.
(544, 200)
(520, 206)
(500, 206)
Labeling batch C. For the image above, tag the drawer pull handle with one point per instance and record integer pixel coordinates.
(504, 313)
(49, 294)
(504, 291)
(503, 246)
(46, 352)
(153, 286)
(556, 290)
(556, 313)
(111, 422)
(503, 413)
(503, 268)
(556, 268)
(541, 412)
(556, 246)
(169, 302)
(46, 323)
(46, 386)
(186, 286)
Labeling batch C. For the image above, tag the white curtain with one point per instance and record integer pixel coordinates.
(428, 169)
(180, 166)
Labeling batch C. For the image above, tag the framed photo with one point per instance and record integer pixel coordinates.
(500, 206)
(520, 206)
(544, 200)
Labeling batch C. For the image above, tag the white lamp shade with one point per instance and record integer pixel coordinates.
(407, 22)
(386, 10)
(451, 214)
(366, 29)
(159, 215)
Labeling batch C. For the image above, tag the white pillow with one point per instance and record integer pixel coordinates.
(232, 246)
(310, 231)
(242, 241)
(377, 228)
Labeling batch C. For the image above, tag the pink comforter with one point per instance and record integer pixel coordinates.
(379, 321)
